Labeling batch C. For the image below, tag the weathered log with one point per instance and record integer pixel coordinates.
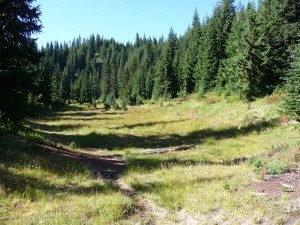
(165, 150)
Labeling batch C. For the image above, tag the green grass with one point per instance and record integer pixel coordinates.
(199, 181)
(39, 187)
(195, 188)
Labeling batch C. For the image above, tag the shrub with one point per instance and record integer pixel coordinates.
(139, 100)
(94, 104)
(151, 102)
(116, 106)
(258, 162)
(73, 145)
(123, 104)
(182, 94)
(273, 99)
(277, 167)
(169, 104)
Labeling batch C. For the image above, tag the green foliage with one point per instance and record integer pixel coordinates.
(291, 102)
(73, 145)
(236, 51)
(151, 102)
(94, 104)
(18, 57)
(280, 160)
(116, 106)
(277, 166)
(123, 104)
(258, 162)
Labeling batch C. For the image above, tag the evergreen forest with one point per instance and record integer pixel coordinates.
(248, 51)
(198, 128)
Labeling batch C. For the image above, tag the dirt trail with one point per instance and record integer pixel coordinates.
(106, 166)
(110, 167)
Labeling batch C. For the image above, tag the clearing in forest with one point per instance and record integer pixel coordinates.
(83, 165)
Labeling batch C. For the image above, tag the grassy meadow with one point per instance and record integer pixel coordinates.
(204, 183)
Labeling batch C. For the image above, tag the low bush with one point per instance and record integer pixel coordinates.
(273, 99)
(279, 162)
(277, 167)
(151, 102)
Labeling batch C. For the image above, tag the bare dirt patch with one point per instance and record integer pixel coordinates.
(276, 185)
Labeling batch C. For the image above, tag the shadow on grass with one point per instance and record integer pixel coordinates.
(119, 141)
(82, 114)
(32, 188)
(57, 118)
(16, 156)
(148, 124)
(58, 128)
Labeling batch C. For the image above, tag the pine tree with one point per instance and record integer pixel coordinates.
(206, 68)
(191, 56)
(85, 90)
(243, 71)
(56, 100)
(18, 53)
(291, 102)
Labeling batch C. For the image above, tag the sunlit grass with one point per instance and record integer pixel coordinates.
(199, 180)
(37, 186)
(195, 188)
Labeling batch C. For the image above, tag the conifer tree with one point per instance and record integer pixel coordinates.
(18, 56)
(191, 56)
(291, 102)
(206, 68)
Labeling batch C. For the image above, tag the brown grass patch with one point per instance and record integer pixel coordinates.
(283, 119)
(273, 99)
(181, 99)
(211, 101)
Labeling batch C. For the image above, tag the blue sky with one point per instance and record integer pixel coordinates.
(121, 19)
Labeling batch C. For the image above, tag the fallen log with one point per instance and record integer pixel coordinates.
(165, 150)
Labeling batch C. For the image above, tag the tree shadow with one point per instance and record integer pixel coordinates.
(82, 114)
(123, 141)
(77, 118)
(17, 156)
(33, 188)
(57, 128)
(148, 124)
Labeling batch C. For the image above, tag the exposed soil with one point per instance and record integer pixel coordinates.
(276, 185)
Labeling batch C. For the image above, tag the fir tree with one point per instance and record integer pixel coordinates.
(191, 56)
(291, 102)
(18, 56)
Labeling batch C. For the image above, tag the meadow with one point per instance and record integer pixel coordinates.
(205, 184)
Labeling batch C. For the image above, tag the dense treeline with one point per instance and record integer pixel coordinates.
(244, 51)
(237, 50)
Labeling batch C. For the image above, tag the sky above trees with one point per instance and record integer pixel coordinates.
(65, 20)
